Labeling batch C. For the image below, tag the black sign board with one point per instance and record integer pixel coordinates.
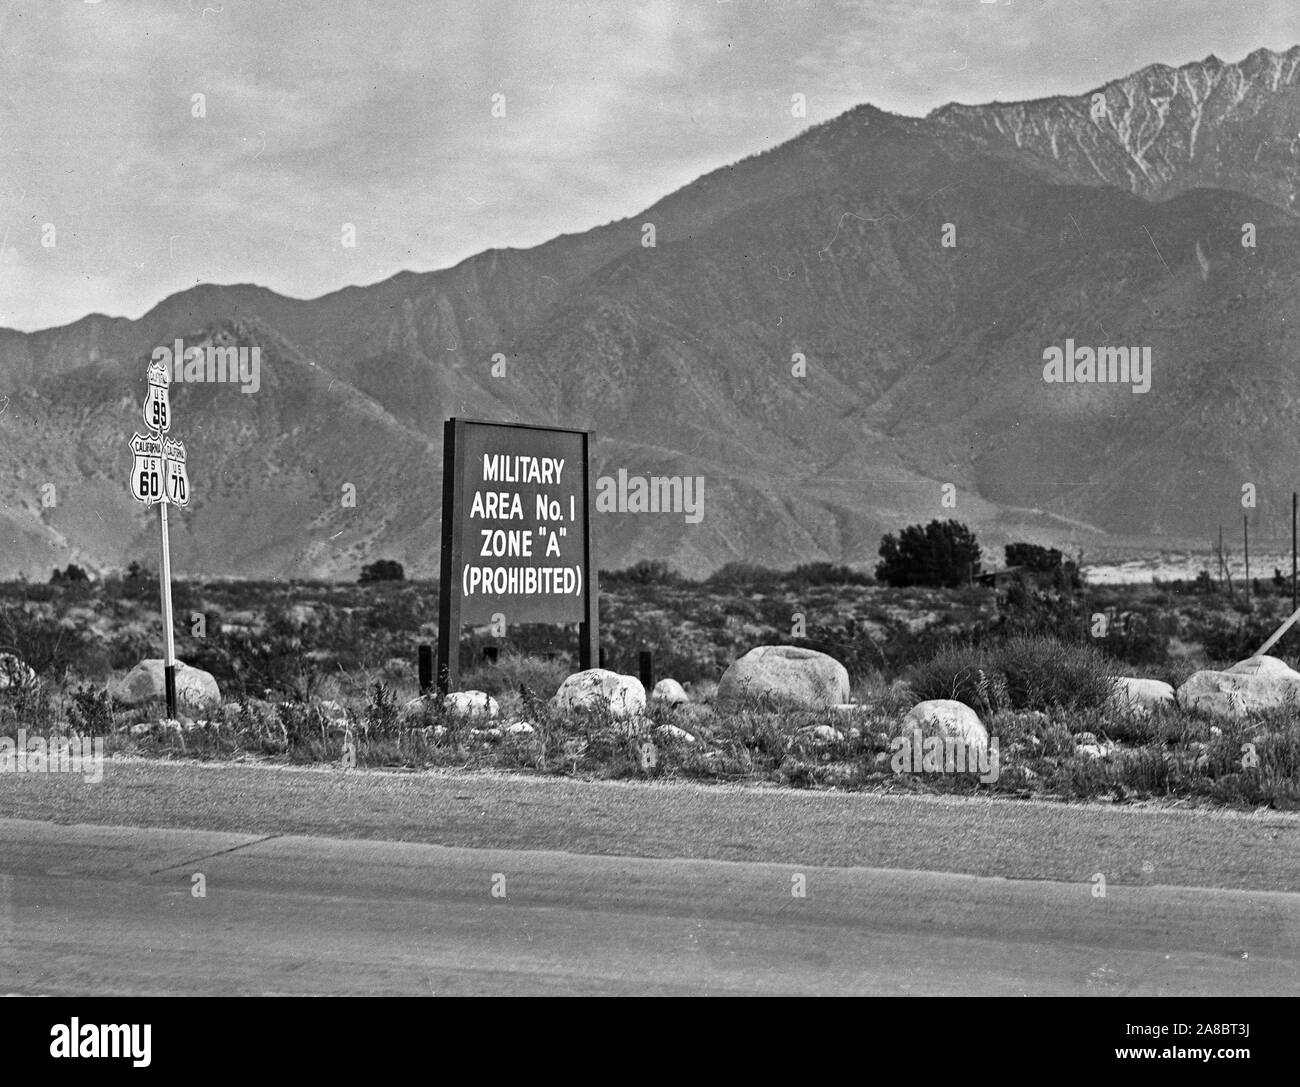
(516, 534)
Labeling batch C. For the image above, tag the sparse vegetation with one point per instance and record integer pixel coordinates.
(307, 667)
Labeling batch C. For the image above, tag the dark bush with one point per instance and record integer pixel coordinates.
(645, 572)
(744, 577)
(70, 575)
(942, 553)
(383, 570)
(826, 573)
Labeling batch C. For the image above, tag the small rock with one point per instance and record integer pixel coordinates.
(1141, 696)
(672, 732)
(669, 692)
(14, 673)
(472, 704)
(948, 718)
(521, 728)
(822, 734)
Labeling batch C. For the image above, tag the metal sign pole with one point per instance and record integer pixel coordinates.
(165, 584)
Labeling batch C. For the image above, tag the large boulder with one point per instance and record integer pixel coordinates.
(145, 683)
(1141, 696)
(1263, 666)
(14, 673)
(600, 689)
(1259, 683)
(801, 677)
(948, 719)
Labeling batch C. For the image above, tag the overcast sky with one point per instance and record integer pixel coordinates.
(379, 113)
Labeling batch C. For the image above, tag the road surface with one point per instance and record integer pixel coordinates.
(98, 910)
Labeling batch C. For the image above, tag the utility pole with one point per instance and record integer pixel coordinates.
(1219, 553)
(1225, 575)
(1245, 539)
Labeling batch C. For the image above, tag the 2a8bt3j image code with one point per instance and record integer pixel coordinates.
(1177, 1029)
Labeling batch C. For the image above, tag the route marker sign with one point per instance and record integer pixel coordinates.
(146, 469)
(157, 413)
(177, 482)
(516, 534)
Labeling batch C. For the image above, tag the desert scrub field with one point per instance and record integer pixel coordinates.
(1086, 752)
(324, 672)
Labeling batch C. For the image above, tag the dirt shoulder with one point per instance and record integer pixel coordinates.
(996, 837)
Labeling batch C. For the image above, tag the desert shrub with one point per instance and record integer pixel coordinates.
(1141, 639)
(41, 641)
(744, 577)
(859, 653)
(382, 711)
(1021, 673)
(36, 593)
(308, 733)
(1043, 673)
(963, 672)
(1231, 642)
(513, 671)
(30, 706)
(795, 773)
(826, 573)
(287, 655)
(1026, 611)
(128, 648)
(90, 710)
(645, 572)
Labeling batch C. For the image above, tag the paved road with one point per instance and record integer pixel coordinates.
(111, 910)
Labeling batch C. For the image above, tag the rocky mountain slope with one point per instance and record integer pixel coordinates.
(922, 362)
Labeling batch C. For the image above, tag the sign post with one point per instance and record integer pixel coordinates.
(158, 477)
(516, 535)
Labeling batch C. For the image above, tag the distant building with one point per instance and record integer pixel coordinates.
(1002, 580)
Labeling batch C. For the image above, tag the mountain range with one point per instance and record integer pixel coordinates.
(840, 336)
